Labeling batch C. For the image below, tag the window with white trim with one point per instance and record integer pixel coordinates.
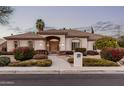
(16, 44)
(75, 44)
(30, 44)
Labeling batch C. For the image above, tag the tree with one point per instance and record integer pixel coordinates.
(121, 41)
(92, 30)
(106, 42)
(40, 24)
(5, 12)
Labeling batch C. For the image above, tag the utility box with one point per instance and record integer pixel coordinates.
(78, 59)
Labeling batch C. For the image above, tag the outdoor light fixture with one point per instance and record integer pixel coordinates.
(62, 44)
(40, 44)
(47, 44)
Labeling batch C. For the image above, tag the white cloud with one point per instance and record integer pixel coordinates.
(8, 30)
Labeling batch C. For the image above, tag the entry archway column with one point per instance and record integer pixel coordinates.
(62, 43)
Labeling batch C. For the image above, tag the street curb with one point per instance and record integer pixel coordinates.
(65, 72)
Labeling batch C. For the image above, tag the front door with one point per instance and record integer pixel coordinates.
(54, 46)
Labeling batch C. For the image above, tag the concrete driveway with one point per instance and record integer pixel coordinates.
(59, 62)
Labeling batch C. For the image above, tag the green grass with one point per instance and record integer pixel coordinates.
(95, 62)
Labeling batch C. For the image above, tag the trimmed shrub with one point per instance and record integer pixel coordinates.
(40, 56)
(65, 52)
(121, 43)
(82, 50)
(45, 52)
(44, 63)
(113, 54)
(69, 52)
(41, 63)
(95, 62)
(4, 61)
(62, 52)
(6, 53)
(92, 52)
(23, 53)
(106, 42)
(70, 60)
(98, 62)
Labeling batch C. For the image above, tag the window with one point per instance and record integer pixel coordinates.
(94, 47)
(75, 44)
(16, 44)
(30, 44)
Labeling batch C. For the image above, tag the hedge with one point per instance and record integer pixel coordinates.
(4, 61)
(40, 56)
(94, 62)
(40, 63)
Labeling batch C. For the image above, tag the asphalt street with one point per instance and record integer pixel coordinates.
(61, 80)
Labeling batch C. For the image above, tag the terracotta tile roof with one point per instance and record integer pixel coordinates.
(72, 33)
(29, 35)
(2, 41)
(53, 32)
(67, 32)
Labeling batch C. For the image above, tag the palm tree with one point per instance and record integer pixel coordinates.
(40, 24)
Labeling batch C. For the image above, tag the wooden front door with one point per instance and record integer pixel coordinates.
(54, 46)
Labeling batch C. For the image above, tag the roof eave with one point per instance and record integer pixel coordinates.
(77, 36)
(7, 38)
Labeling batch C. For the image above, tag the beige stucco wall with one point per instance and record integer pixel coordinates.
(90, 45)
(83, 43)
(68, 44)
(10, 45)
(65, 43)
(39, 45)
(23, 43)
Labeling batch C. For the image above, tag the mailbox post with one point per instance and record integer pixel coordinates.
(78, 62)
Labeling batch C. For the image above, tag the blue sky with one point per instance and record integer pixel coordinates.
(59, 17)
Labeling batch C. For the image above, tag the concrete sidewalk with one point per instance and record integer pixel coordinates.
(51, 70)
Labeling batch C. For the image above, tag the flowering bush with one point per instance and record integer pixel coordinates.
(23, 53)
(113, 54)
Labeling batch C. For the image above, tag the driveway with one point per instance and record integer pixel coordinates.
(59, 62)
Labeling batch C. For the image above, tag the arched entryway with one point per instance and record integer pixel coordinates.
(52, 44)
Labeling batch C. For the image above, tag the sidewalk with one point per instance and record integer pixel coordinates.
(51, 70)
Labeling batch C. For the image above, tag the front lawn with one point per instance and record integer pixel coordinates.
(94, 62)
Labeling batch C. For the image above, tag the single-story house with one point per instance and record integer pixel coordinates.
(3, 44)
(53, 40)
